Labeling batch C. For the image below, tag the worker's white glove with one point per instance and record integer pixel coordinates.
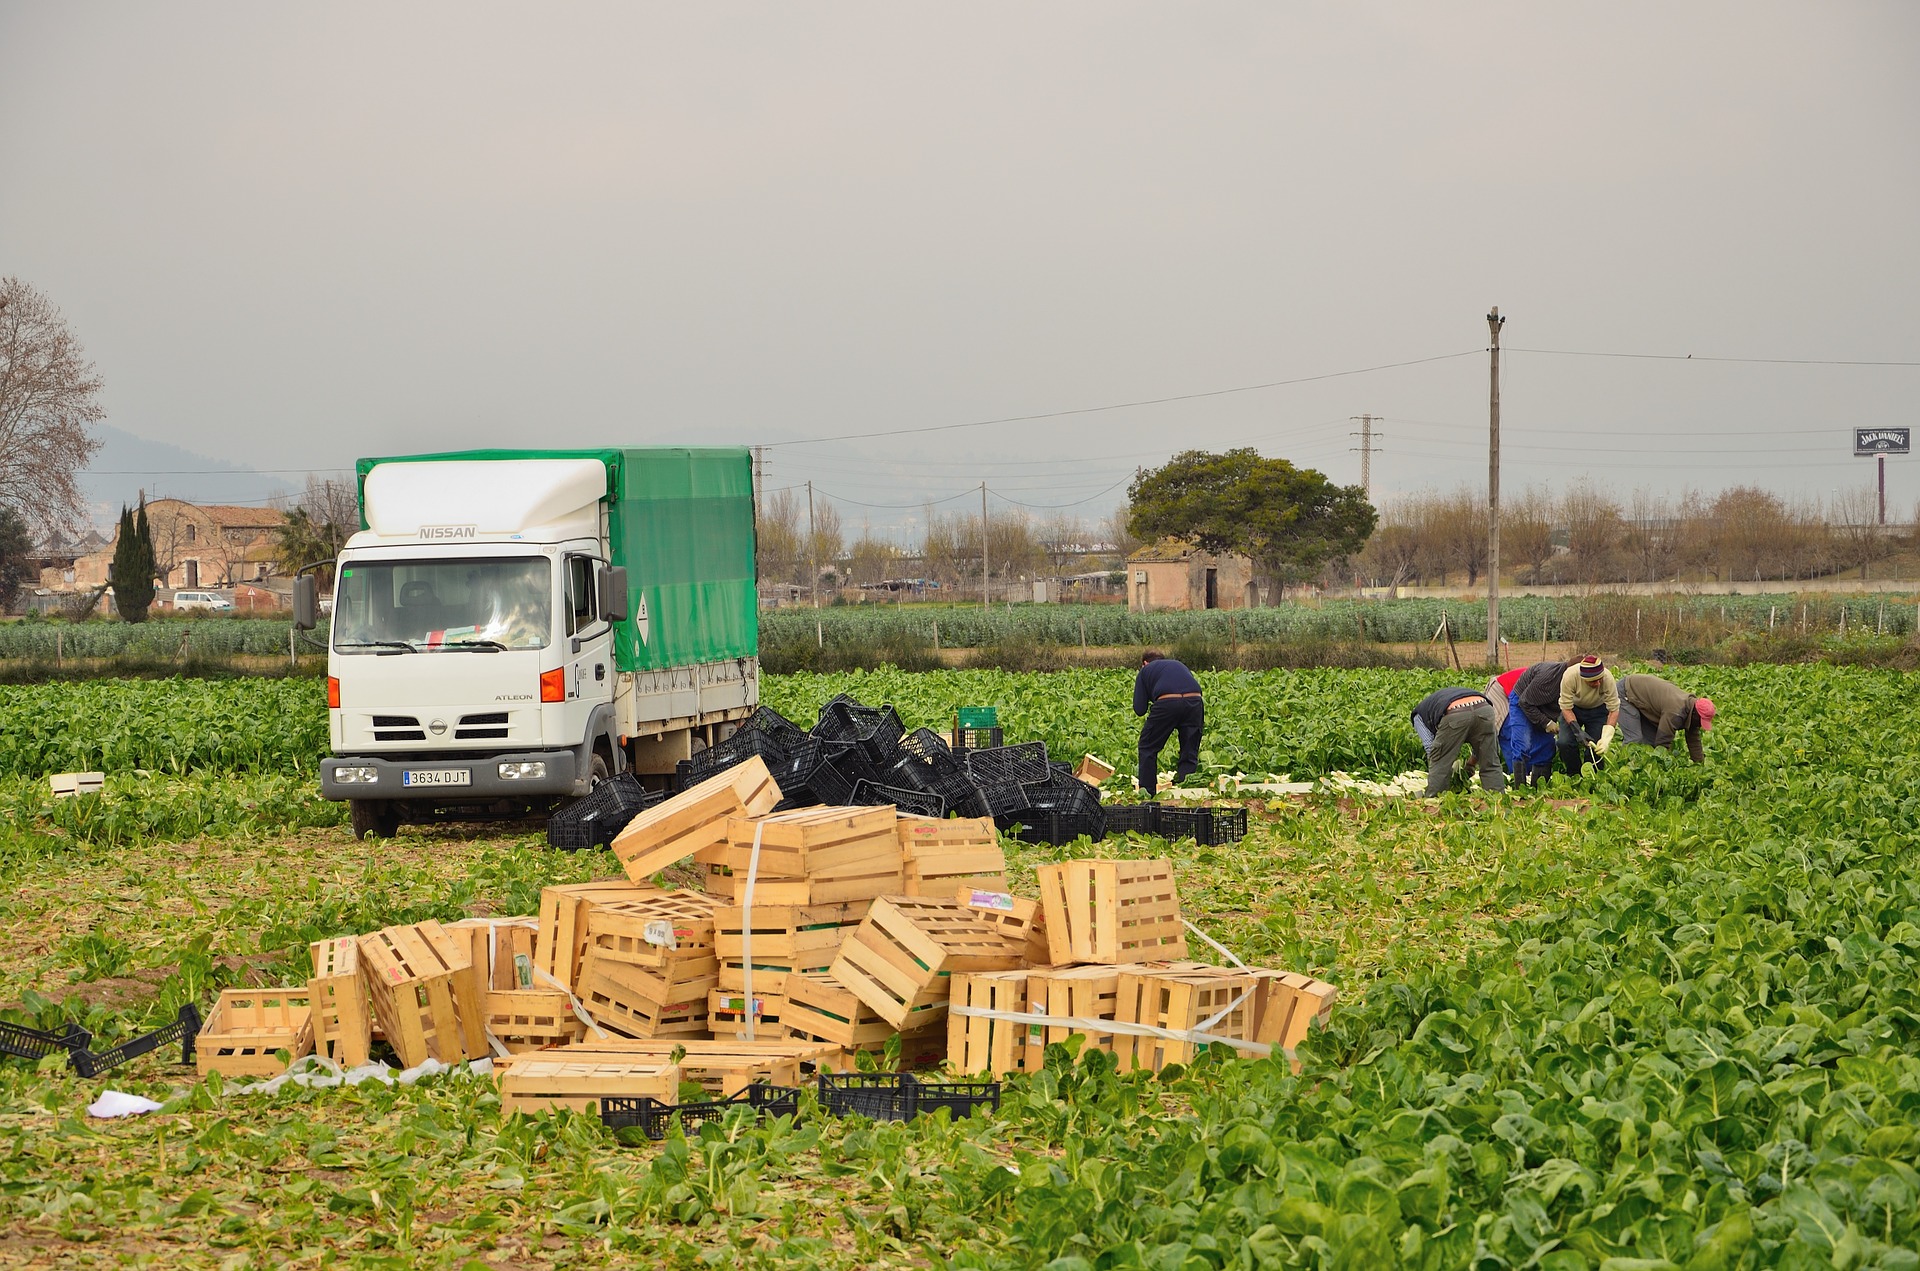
(1606, 739)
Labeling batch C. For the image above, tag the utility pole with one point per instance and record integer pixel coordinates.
(986, 570)
(1366, 452)
(813, 549)
(1883, 487)
(1494, 323)
(759, 477)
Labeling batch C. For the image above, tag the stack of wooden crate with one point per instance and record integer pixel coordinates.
(1105, 952)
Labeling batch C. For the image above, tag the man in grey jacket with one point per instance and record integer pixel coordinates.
(1653, 712)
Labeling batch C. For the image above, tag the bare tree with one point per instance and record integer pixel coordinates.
(1595, 528)
(829, 540)
(49, 400)
(1526, 531)
(1851, 523)
(782, 537)
(1114, 530)
(1753, 531)
(1456, 526)
(1062, 539)
(870, 559)
(1649, 541)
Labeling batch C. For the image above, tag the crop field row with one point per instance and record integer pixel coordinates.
(1664, 1017)
(961, 626)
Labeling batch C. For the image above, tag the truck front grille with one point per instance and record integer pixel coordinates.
(492, 724)
(397, 728)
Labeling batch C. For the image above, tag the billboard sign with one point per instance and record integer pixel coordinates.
(1882, 441)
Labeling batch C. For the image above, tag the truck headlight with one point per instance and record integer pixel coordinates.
(356, 776)
(535, 771)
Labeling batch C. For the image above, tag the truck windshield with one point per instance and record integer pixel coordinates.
(468, 603)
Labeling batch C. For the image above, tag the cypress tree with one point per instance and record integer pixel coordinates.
(132, 570)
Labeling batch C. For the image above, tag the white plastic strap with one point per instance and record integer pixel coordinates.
(1079, 1024)
(746, 926)
(580, 1012)
(493, 955)
(1219, 948)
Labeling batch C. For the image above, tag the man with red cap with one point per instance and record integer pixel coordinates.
(1654, 712)
(1589, 710)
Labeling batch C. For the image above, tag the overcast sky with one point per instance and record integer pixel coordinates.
(289, 236)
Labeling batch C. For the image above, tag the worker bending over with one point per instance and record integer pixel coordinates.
(1533, 721)
(1653, 712)
(1449, 718)
(1589, 710)
(1168, 695)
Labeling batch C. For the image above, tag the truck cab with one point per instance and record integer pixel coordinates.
(492, 648)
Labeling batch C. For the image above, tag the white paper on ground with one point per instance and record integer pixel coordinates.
(117, 1103)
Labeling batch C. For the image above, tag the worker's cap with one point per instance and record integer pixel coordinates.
(1591, 665)
(1706, 710)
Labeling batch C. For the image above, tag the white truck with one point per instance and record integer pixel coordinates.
(511, 627)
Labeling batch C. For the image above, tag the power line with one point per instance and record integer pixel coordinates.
(1147, 401)
(1690, 357)
(1076, 503)
(202, 472)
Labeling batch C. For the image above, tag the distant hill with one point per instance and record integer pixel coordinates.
(125, 465)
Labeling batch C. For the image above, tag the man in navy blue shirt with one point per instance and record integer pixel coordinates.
(1168, 695)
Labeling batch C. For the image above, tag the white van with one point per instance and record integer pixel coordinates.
(200, 600)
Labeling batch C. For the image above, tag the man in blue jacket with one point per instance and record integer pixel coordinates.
(1168, 695)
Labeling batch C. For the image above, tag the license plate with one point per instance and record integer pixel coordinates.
(436, 777)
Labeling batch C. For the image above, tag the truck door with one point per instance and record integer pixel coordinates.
(588, 653)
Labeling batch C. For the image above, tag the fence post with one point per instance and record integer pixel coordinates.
(936, 635)
(59, 648)
(1636, 624)
(1771, 611)
(1083, 633)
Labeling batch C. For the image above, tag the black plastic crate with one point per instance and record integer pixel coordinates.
(878, 1096)
(594, 820)
(944, 778)
(1003, 800)
(825, 782)
(1064, 794)
(1133, 818)
(959, 1097)
(1038, 825)
(1207, 826)
(1024, 764)
(901, 1096)
(23, 1042)
(917, 802)
(877, 730)
(766, 733)
(966, 739)
(928, 746)
(652, 1117)
(184, 1029)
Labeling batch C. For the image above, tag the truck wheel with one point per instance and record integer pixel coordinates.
(373, 817)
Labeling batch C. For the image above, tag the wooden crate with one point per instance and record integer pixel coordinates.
(502, 950)
(1111, 912)
(1078, 992)
(246, 1027)
(943, 856)
(1022, 923)
(722, 1066)
(771, 977)
(656, 931)
(823, 1009)
(557, 1080)
(1179, 997)
(728, 1011)
(901, 958)
(810, 856)
(423, 994)
(641, 1003)
(695, 818)
(1287, 1005)
(342, 1011)
(532, 1019)
(993, 1046)
(1092, 769)
(786, 933)
(562, 939)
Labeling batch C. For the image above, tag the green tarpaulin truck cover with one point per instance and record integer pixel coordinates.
(681, 522)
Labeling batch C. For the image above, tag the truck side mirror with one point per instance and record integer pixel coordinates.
(613, 593)
(306, 602)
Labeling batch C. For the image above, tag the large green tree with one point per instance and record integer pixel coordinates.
(132, 570)
(1290, 520)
